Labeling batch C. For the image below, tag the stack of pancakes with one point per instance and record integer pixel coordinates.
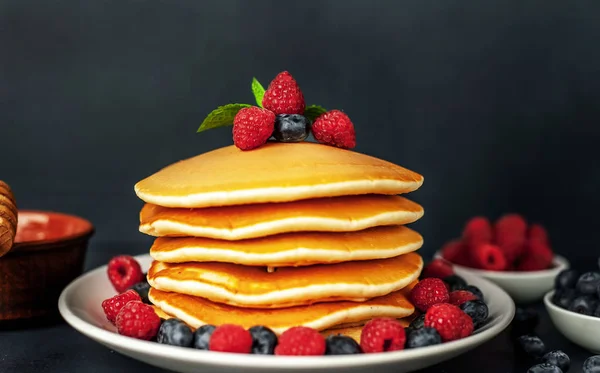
(282, 236)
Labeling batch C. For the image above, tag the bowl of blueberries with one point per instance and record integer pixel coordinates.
(574, 307)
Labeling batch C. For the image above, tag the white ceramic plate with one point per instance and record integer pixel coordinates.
(80, 302)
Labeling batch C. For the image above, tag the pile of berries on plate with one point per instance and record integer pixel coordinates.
(451, 309)
(129, 310)
(508, 245)
(282, 115)
(448, 304)
(532, 350)
(578, 292)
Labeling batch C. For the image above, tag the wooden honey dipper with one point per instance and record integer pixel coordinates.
(8, 218)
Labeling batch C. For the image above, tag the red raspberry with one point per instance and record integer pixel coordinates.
(300, 341)
(456, 252)
(283, 96)
(112, 306)
(252, 127)
(459, 297)
(438, 268)
(538, 233)
(334, 128)
(382, 334)
(488, 257)
(538, 256)
(449, 320)
(511, 225)
(123, 272)
(510, 231)
(428, 292)
(512, 251)
(477, 231)
(529, 264)
(138, 320)
(230, 338)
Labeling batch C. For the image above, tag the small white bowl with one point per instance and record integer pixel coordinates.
(580, 329)
(523, 287)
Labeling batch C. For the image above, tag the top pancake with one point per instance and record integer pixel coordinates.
(275, 172)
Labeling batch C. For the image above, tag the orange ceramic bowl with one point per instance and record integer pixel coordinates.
(48, 253)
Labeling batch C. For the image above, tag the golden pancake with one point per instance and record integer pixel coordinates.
(254, 287)
(291, 249)
(351, 330)
(338, 214)
(197, 311)
(162, 314)
(275, 172)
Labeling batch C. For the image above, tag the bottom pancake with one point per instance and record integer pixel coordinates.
(196, 311)
(354, 331)
(351, 330)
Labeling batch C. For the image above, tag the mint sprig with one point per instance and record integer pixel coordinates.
(258, 90)
(224, 115)
(221, 116)
(312, 112)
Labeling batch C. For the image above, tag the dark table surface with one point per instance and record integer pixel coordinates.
(57, 347)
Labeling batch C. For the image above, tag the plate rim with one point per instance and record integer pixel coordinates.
(235, 360)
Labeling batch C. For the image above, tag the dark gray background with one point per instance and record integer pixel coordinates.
(496, 103)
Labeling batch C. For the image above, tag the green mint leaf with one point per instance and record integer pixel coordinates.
(221, 116)
(258, 91)
(313, 111)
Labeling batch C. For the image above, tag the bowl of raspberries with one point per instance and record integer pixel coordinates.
(510, 252)
(574, 307)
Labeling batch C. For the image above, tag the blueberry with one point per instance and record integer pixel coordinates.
(558, 358)
(263, 340)
(175, 333)
(584, 305)
(588, 283)
(564, 297)
(142, 288)
(418, 322)
(592, 364)
(544, 368)
(475, 291)
(291, 128)
(477, 310)
(202, 336)
(525, 320)
(455, 282)
(566, 279)
(530, 345)
(423, 337)
(341, 345)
